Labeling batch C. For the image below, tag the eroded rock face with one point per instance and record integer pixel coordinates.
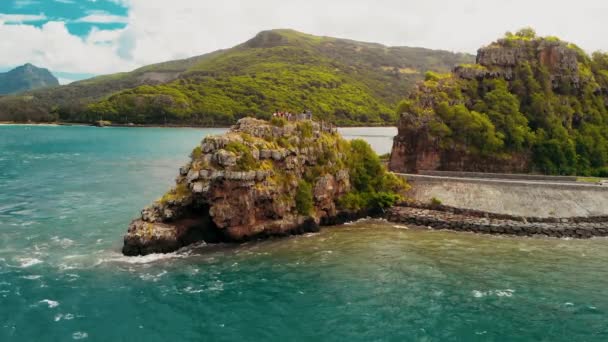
(415, 148)
(243, 185)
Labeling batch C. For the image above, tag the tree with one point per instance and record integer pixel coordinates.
(526, 32)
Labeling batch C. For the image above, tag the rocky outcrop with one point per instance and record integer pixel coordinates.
(420, 144)
(505, 55)
(416, 149)
(250, 182)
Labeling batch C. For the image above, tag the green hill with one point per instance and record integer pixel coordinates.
(24, 78)
(344, 81)
(529, 104)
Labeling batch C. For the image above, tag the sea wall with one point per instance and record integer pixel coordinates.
(442, 217)
(526, 198)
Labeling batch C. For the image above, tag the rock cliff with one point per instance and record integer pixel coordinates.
(529, 104)
(259, 179)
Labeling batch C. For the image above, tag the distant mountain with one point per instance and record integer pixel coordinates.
(343, 81)
(24, 78)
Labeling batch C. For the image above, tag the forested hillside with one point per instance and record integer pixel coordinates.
(343, 81)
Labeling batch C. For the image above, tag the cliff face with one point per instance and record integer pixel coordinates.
(529, 104)
(259, 179)
(24, 78)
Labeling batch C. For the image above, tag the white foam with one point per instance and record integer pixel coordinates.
(497, 293)
(32, 277)
(145, 259)
(401, 227)
(478, 294)
(66, 267)
(79, 335)
(65, 317)
(153, 277)
(189, 289)
(28, 262)
(358, 221)
(63, 242)
(504, 293)
(50, 303)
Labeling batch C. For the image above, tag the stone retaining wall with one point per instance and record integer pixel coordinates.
(512, 197)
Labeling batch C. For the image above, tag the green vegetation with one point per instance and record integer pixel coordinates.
(304, 201)
(279, 122)
(435, 202)
(546, 113)
(196, 152)
(178, 193)
(594, 180)
(373, 186)
(245, 161)
(341, 81)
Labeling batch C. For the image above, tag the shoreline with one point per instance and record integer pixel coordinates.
(61, 123)
(12, 123)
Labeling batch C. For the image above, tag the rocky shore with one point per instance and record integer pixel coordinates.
(450, 218)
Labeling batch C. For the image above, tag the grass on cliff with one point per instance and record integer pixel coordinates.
(304, 200)
(178, 193)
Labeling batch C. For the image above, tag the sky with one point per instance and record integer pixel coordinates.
(78, 39)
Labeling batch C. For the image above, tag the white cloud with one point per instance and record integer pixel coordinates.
(157, 30)
(190, 27)
(100, 17)
(21, 18)
(53, 47)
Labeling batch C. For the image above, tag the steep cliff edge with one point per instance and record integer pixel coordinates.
(264, 179)
(529, 104)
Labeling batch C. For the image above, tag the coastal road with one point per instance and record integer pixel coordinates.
(562, 184)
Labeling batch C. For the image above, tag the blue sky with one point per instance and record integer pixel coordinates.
(78, 14)
(80, 17)
(77, 39)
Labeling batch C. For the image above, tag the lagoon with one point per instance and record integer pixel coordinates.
(67, 195)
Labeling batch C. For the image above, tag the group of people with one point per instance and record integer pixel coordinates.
(306, 115)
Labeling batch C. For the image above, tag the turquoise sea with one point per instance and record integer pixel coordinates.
(67, 195)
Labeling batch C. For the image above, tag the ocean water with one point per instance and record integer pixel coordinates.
(67, 195)
(379, 138)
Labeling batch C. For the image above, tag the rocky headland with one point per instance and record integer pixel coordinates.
(264, 179)
(528, 105)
